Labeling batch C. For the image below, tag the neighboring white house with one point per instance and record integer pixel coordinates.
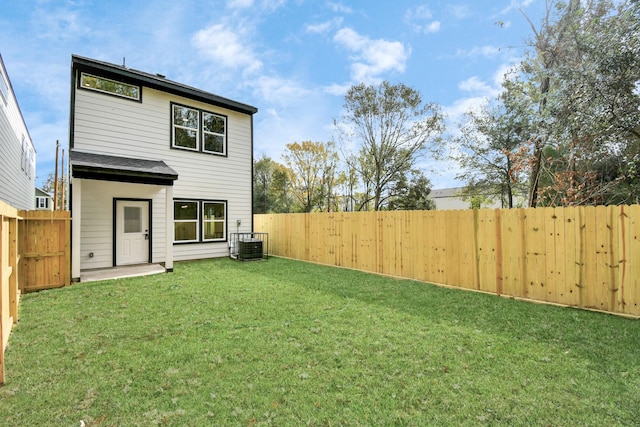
(451, 199)
(17, 155)
(44, 200)
(160, 171)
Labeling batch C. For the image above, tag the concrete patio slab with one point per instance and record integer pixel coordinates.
(120, 272)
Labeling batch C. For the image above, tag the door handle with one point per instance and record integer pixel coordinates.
(146, 234)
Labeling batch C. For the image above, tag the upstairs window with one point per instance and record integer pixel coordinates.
(186, 122)
(198, 130)
(108, 86)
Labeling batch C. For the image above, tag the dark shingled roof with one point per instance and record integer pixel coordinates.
(121, 169)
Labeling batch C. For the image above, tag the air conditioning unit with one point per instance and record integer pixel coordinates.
(248, 246)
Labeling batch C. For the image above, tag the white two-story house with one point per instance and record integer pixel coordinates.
(17, 154)
(160, 171)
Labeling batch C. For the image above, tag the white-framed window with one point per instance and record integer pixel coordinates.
(214, 133)
(198, 130)
(186, 123)
(42, 202)
(199, 220)
(214, 221)
(110, 87)
(186, 220)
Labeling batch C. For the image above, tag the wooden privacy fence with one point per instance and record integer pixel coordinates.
(34, 255)
(45, 250)
(9, 287)
(584, 256)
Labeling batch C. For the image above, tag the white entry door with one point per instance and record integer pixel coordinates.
(132, 232)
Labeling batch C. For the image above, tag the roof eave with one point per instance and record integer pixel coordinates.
(160, 83)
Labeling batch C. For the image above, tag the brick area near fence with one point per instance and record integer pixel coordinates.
(583, 256)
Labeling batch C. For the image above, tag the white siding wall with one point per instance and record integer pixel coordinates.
(17, 184)
(96, 230)
(110, 125)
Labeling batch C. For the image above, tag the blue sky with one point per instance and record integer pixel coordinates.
(293, 59)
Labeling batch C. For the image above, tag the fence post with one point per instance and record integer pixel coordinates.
(3, 316)
(13, 265)
(476, 254)
(499, 270)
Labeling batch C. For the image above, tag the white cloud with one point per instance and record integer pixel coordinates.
(474, 84)
(459, 11)
(372, 57)
(337, 89)
(419, 12)
(268, 5)
(239, 4)
(272, 5)
(324, 27)
(60, 24)
(339, 7)
(278, 90)
(227, 48)
(433, 27)
(420, 20)
(486, 51)
(516, 4)
(501, 72)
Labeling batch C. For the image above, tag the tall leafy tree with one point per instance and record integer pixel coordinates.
(488, 139)
(312, 172)
(412, 193)
(270, 187)
(582, 76)
(384, 129)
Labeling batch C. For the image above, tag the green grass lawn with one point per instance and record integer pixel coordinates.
(288, 343)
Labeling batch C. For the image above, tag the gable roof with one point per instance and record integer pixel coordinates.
(41, 193)
(446, 192)
(156, 81)
(121, 169)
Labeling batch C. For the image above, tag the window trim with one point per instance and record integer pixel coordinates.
(42, 202)
(223, 221)
(197, 221)
(204, 133)
(105, 92)
(174, 126)
(200, 221)
(200, 135)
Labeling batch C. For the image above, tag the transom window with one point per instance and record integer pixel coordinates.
(198, 130)
(112, 87)
(199, 221)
